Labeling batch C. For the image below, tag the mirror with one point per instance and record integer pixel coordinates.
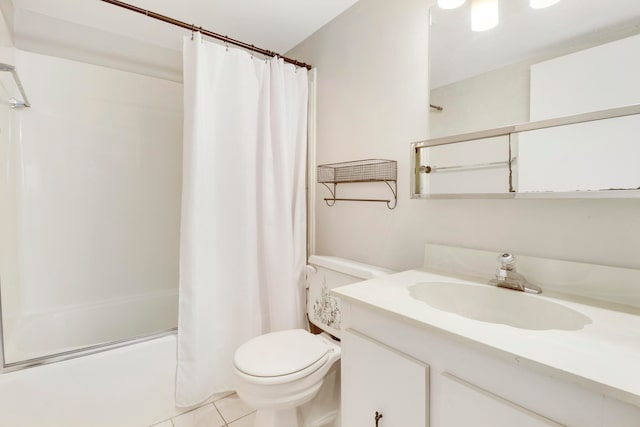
(575, 57)
(482, 79)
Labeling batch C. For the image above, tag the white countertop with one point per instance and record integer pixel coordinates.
(605, 353)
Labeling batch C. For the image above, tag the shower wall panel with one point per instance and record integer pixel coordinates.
(8, 211)
(98, 179)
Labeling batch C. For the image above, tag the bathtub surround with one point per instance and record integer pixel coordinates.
(90, 328)
(242, 247)
(91, 181)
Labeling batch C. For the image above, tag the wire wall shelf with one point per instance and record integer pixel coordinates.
(359, 171)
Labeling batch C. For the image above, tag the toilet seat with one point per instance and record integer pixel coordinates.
(281, 357)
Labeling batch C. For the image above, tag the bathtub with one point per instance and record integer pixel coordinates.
(116, 382)
(131, 386)
(33, 336)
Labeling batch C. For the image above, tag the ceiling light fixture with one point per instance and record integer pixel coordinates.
(484, 14)
(541, 4)
(450, 4)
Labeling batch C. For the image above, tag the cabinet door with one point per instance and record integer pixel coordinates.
(378, 379)
(465, 404)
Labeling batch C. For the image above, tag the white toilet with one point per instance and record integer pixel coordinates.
(293, 376)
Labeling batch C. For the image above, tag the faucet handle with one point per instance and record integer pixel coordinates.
(507, 261)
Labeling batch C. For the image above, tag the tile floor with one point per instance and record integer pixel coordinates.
(226, 410)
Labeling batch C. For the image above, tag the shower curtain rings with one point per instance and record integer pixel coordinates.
(201, 38)
(192, 30)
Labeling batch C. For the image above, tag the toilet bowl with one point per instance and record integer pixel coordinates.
(292, 377)
(279, 372)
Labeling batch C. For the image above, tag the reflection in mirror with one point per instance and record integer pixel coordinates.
(547, 157)
(471, 167)
(482, 79)
(590, 156)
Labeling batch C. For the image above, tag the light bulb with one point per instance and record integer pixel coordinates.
(484, 14)
(450, 4)
(541, 4)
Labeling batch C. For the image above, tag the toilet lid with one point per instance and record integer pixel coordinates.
(280, 353)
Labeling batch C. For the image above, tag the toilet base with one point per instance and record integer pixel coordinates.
(321, 411)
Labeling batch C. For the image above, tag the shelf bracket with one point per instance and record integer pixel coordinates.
(333, 194)
(330, 201)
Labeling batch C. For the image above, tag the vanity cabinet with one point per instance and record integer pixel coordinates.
(466, 404)
(382, 387)
(416, 375)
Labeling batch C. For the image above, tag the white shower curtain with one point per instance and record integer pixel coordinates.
(243, 230)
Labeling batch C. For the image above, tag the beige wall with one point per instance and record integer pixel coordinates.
(372, 102)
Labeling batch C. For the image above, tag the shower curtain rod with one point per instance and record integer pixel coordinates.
(207, 33)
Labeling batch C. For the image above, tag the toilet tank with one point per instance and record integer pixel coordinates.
(325, 273)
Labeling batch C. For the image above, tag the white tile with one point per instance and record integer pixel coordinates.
(232, 408)
(163, 424)
(206, 416)
(246, 421)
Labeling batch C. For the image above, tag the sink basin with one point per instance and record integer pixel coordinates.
(488, 303)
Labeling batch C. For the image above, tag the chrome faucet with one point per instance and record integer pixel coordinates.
(506, 276)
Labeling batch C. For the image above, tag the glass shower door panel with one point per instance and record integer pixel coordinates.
(95, 194)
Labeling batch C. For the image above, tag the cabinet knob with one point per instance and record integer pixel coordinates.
(378, 416)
